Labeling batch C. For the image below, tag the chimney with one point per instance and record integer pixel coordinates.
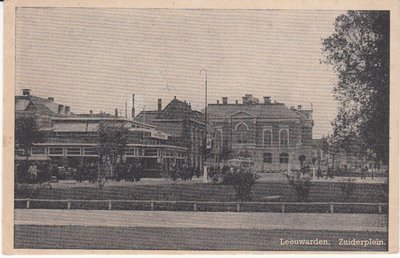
(291, 107)
(218, 102)
(67, 109)
(159, 105)
(133, 106)
(26, 92)
(298, 107)
(51, 99)
(60, 108)
(224, 100)
(247, 99)
(267, 100)
(116, 112)
(236, 102)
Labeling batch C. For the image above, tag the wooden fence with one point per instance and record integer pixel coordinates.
(311, 207)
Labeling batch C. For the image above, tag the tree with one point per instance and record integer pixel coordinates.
(302, 158)
(358, 50)
(113, 140)
(26, 133)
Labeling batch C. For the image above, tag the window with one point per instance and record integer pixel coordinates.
(90, 151)
(38, 151)
(131, 151)
(55, 151)
(267, 138)
(241, 133)
(73, 151)
(267, 157)
(283, 158)
(20, 152)
(150, 152)
(283, 138)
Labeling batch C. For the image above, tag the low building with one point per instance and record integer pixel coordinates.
(75, 140)
(72, 139)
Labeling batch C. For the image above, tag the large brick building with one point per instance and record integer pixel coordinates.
(184, 126)
(272, 135)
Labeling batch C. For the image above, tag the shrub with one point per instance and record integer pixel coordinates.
(347, 188)
(301, 186)
(242, 182)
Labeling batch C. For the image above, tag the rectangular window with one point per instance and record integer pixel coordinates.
(73, 151)
(90, 151)
(284, 158)
(267, 157)
(38, 151)
(131, 151)
(55, 151)
(150, 152)
(20, 152)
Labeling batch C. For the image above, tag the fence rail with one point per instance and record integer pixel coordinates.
(282, 207)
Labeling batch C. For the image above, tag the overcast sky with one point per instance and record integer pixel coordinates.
(94, 59)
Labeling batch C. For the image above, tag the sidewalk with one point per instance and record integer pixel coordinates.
(210, 220)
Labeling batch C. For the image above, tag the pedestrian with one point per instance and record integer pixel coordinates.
(364, 171)
(33, 171)
(329, 173)
(173, 172)
(319, 172)
(197, 171)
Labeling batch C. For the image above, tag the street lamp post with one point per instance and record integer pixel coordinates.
(205, 174)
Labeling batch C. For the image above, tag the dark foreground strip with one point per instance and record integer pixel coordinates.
(141, 238)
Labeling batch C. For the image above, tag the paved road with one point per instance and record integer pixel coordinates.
(226, 220)
(160, 230)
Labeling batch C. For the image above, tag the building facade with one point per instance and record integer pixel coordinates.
(272, 135)
(73, 139)
(184, 126)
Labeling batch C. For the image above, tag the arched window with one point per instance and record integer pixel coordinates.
(267, 138)
(241, 133)
(283, 158)
(283, 138)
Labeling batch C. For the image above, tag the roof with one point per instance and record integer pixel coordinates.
(89, 124)
(146, 116)
(75, 127)
(37, 104)
(269, 111)
(176, 109)
(102, 114)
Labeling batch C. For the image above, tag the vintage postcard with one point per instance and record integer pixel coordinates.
(165, 126)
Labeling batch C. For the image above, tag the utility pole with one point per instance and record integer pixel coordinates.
(205, 174)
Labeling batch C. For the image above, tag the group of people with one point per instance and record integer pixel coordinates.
(328, 173)
(36, 172)
(215, 171)
(184, 172)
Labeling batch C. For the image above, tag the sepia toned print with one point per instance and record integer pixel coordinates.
(203, 129)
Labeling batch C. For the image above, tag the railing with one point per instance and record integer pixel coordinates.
(282, 207)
